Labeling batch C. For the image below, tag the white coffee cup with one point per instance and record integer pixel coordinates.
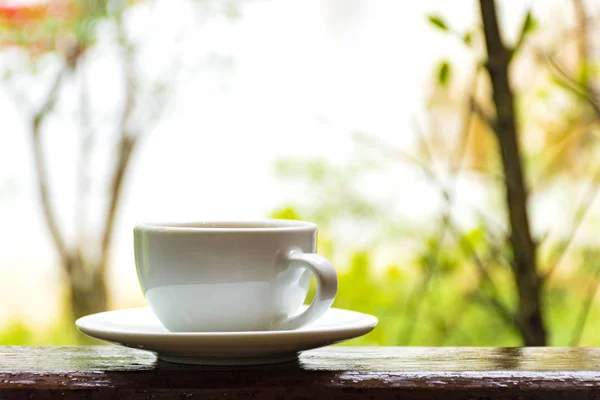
(232, 276)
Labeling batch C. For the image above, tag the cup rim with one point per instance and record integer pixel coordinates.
(228, 226)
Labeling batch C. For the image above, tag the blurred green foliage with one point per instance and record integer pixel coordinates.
(434, 298)
(438, 297)
(20, 333)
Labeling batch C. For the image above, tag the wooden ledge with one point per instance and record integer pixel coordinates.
(334, 372)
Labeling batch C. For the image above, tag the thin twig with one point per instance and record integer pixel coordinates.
(86, 144)
(489, 121)
(557, 148)
(583, 46)
(522, 36)
(583, 314)
(423, 139)
(418, 296)
(583, 210)
(449, 196)
(584, 91)
(502, 310)
(574, 86)
(465, 129)
(456, 319)
(448, 325)
(394, 153)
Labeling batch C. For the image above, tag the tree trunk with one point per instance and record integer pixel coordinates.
(529, 316)
(87, 288)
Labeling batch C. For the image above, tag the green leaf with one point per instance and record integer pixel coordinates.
(287, 212)
(529, 24)
(438, 22)
(584, 73)
(468, 38)
(444, 73)
(542, 93)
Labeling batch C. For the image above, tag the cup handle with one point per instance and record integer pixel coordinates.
(327, 284)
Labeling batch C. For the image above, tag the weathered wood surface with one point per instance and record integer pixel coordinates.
(335, 372)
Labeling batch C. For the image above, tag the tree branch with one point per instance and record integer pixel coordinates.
(582, 212)
(483, 115)
(503, 311)
(86, 144)
(449, 325)
(529, 310)
(525, 29)
(465, 129)
(126, 145)
(416, 299)
(395, 154)
(583, 46)
(473, 108)
(449, 196)
(585, 93)
(40, 166)
(130, 135)
(583, 43)
(426, 147)
(556, 149)
(456, 319)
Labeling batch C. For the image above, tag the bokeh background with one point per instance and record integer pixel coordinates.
(458, 205)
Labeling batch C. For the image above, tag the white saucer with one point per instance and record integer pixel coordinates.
(140, 329)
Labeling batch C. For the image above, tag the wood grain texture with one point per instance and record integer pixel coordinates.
(335, 372)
